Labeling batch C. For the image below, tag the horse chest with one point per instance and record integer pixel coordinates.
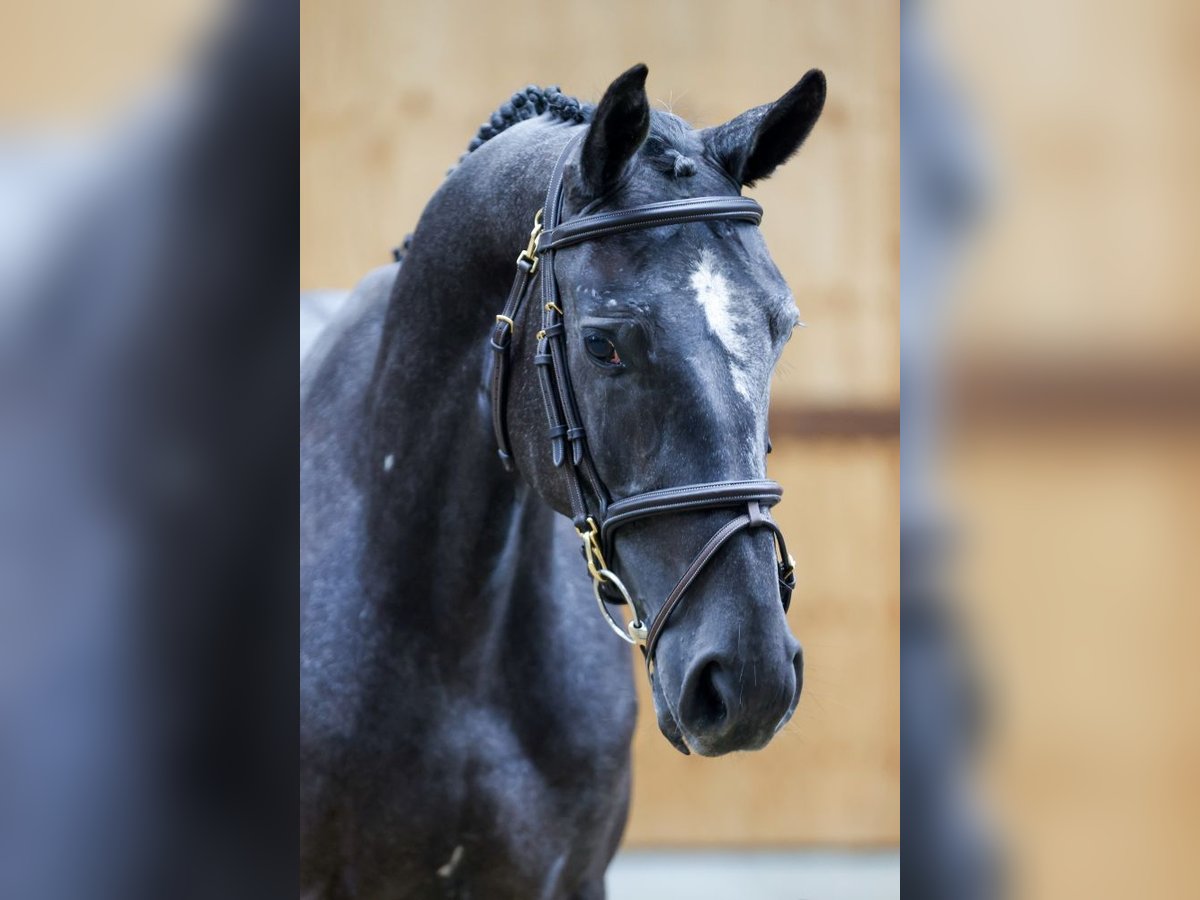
(477, 803)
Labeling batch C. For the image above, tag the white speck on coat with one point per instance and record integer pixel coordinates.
(388, 462)
(455, 858)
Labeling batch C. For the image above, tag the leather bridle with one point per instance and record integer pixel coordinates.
(598, 524)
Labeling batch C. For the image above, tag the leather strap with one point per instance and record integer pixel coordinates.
(652, 215)
(757, 496)
(501, 340)
(593, 513)
(703, 558)
(685, 499)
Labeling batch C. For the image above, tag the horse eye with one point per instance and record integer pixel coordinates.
(601, 348)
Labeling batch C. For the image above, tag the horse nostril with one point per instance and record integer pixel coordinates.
(730, 703)
(798, 667)
(703, 704)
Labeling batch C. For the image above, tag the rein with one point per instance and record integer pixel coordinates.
(597, 524)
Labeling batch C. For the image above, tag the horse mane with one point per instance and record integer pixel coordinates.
(535, 101)
(530, 103)
(666, 129)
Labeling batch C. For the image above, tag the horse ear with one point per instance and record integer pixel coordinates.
(619, 126)
(755, 143)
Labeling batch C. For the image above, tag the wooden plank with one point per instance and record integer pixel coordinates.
(1079, 588)
(819, 422)
(1088, 252)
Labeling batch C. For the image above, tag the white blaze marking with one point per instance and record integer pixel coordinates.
(388, 462)
(712, 293)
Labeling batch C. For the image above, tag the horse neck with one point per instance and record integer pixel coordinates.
(446, 523)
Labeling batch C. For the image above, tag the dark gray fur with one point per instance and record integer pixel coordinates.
(466, 715)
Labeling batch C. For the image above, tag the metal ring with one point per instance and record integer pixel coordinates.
(635, 631)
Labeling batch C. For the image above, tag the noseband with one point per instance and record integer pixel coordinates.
(598, 524)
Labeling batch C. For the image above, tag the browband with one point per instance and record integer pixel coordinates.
(652, 215)
(597, 522)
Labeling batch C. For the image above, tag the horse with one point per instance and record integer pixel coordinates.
(466, 716)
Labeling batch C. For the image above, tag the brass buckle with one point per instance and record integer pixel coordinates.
(591, 550)
(634, 631)
(529, 254)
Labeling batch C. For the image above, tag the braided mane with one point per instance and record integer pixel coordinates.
(665, 131)
(533, 101)
(529, 103)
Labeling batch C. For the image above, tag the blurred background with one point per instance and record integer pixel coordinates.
(390, 95)
(148, 269)
(1054, 331)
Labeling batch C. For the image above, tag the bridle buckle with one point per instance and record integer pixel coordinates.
(591, 550)
(529, 254)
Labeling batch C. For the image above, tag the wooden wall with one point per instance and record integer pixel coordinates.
(390, 95)
(1075, 458)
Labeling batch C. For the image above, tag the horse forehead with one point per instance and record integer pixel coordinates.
(731, 311)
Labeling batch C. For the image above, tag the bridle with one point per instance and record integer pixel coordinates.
(598, 525)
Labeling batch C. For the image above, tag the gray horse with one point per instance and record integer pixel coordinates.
(466, 714)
